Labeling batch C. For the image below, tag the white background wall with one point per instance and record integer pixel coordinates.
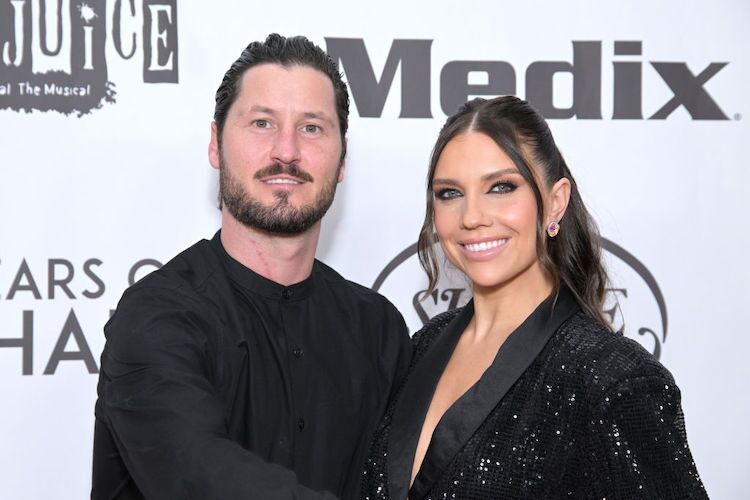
(131, 181)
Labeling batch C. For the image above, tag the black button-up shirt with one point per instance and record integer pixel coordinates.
(219, 383)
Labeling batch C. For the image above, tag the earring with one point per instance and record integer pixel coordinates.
(552, 229)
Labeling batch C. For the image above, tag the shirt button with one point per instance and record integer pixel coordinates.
(301, 423)
(287, 294)
(298, 352)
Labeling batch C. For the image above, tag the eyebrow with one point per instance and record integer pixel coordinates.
(260, 109)
(484, 178)
(314, 115)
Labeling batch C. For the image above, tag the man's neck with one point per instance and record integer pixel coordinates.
(285, 259)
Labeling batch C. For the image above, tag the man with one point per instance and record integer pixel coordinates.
(244, 368)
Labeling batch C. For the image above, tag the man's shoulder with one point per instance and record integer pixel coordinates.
(186, 273)
(182, 284)
(350, 291)
(172, 302)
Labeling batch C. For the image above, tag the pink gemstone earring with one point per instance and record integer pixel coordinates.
(552, 229)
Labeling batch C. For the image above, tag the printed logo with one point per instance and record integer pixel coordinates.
(414, 58)
(41, 302)
(634, 304)
(62, 65)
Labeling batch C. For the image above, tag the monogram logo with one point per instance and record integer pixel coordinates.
(634, 302)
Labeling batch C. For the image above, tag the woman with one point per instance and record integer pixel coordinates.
(525, 392)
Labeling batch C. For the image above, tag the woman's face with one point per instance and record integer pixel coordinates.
(485, 214)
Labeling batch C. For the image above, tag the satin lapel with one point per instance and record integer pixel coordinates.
(462, 419)
(414, 401)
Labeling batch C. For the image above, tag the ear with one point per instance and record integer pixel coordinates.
(341, 171)
(557, 200)
(214, 155)
(342, 167)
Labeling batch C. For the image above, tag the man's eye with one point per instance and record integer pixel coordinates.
(503, 187)
(312, 129)
(447, 194)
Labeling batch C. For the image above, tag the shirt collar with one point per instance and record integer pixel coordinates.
(257, 284)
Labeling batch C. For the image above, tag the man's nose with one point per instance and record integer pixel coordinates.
(286, 146)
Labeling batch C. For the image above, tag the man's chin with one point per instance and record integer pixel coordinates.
(286, 221)
(283, 199)
(284, 210)
(281, 228)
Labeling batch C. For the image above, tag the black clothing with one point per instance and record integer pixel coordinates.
(568, 409)
(217, 383)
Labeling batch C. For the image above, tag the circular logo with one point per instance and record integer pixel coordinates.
(634, 303)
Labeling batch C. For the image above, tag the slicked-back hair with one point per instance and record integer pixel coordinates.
(276, 49)
(574, 255)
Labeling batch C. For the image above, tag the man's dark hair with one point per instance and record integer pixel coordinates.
(291, 51)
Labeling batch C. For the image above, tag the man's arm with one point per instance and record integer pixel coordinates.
(163, 412)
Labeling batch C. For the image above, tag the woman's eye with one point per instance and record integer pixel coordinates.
(312, 129)
(503, 187)
(447, 194)
(261, 123)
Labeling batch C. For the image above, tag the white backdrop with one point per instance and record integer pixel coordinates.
(85, 196)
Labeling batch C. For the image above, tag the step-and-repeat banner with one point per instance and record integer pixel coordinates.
(105, 111)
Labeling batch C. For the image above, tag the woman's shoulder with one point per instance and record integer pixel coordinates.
(603, 357)
(431, 330)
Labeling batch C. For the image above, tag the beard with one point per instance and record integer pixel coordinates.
(280, 217)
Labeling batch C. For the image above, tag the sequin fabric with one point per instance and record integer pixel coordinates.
(595, 416)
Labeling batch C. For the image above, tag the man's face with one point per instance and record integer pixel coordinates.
(280, 155)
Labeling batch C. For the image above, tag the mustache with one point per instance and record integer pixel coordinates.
(291, 169)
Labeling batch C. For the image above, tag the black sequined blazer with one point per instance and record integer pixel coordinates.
(568, 409)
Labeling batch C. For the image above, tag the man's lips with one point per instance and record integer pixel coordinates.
(282, 180)
(281, 174)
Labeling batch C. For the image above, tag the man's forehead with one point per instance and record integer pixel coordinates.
(290, 74)
(274, 86)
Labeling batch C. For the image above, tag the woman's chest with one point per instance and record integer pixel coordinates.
(531, 445)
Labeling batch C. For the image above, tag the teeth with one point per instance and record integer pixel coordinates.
(281, 181)
(485, 245)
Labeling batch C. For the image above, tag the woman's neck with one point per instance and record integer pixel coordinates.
(501, 309)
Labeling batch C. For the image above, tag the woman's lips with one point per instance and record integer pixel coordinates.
(483, 249)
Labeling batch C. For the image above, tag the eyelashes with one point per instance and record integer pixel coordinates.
(502, 187)
(308, 128)
(447, 194)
